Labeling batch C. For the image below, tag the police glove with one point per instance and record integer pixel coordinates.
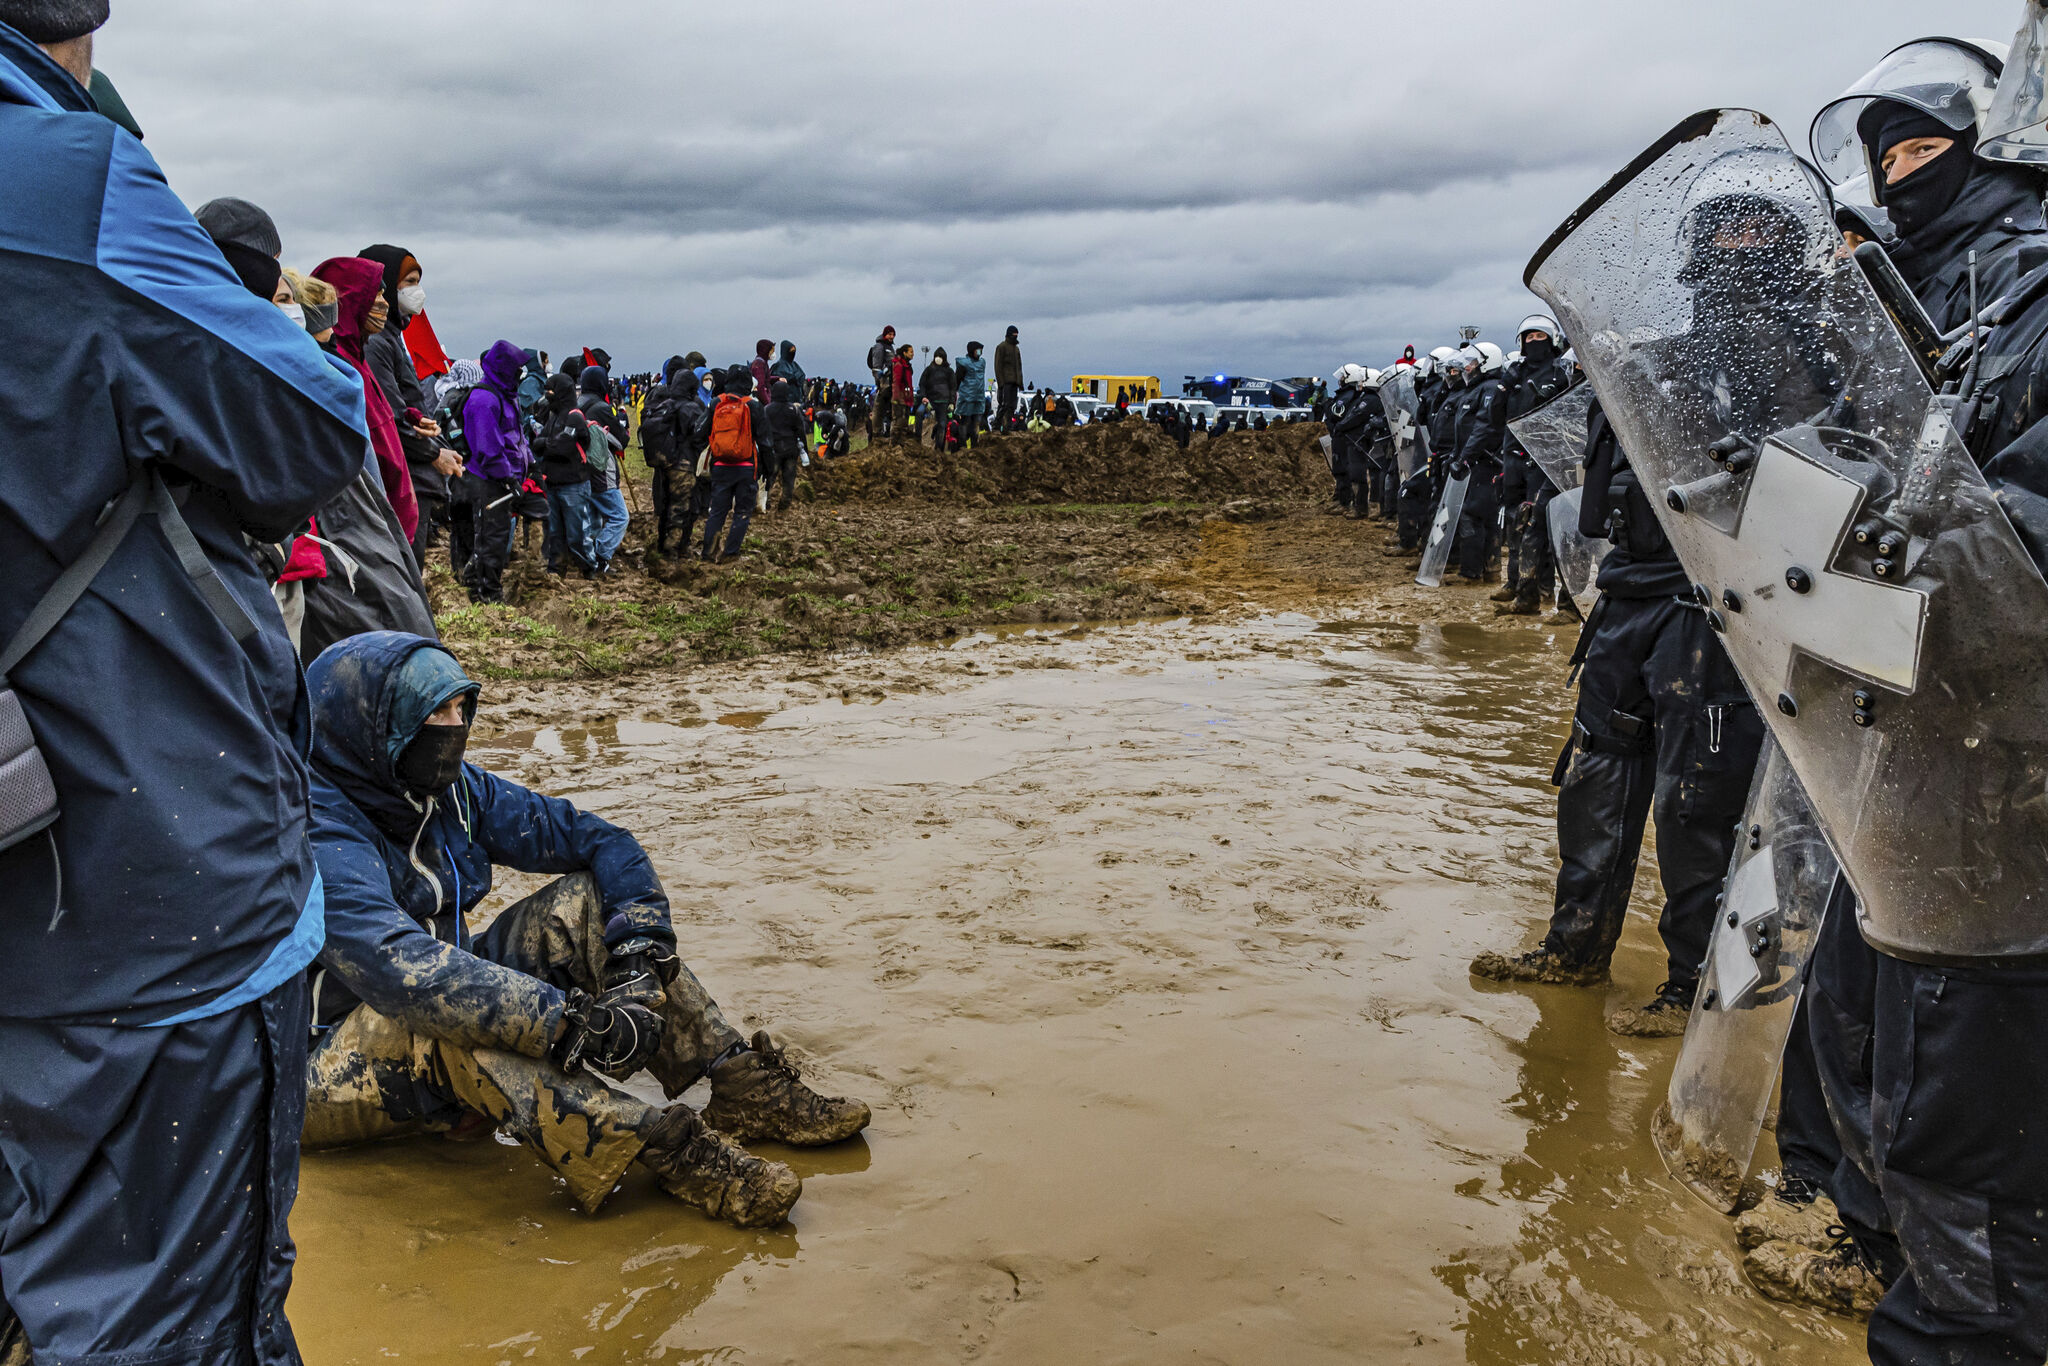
(1460, 470)
(639, 970)
(617, 1040)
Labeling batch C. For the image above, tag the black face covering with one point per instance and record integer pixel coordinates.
(433, 761)
(1924, 196)
(1540, 351)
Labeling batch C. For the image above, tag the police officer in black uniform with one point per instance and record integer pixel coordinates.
(1539, 376)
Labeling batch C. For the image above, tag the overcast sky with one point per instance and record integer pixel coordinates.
(1143, 188)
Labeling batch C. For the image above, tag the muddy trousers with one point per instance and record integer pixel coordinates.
(1413, 505)
(1479, 522)
(1662, 724)
(732, 491)
(145, 1182)
(373, 1077)
(1532, 561)
(490, 520)
(1958, 1108)
(670, 492)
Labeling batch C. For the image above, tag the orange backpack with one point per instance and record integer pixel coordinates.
(732, 431)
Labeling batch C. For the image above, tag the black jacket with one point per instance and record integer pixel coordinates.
(782, 434)
(1525, 388)
(1642, 563)
(1997, 215)
(1477, 435)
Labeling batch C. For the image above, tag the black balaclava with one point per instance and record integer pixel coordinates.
(1924, 196)
(1541, 351)
(561, 392)
(433, 761)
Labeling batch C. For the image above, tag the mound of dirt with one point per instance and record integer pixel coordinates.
(1121, 462)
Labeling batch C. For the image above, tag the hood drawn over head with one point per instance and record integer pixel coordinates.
(593, 381)
(396, 261)
(369, 700)
(788, 350)
(359, 283)
(503, 364)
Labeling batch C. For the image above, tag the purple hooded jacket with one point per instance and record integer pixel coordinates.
(490, 418)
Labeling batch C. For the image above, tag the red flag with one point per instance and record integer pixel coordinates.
(425, 348)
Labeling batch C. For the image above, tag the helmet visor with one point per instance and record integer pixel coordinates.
(2016, 128)
(1945, 79)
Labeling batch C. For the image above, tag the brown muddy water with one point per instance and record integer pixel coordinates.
(1148, 947)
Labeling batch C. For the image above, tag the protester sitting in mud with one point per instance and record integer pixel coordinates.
(421, 1027)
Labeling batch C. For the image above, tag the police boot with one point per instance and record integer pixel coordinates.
(1663, 1018)
(1525, 603)
(1507, 592)
(757, 1094)
(1537, 965)
(1797, 1212)
(1839, 1280)
(703, 1170)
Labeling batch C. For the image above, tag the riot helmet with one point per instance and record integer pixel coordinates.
(1950, 80)
(2015, 128)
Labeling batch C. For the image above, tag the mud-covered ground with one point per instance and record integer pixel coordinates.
(1147, 943)
(900, 544)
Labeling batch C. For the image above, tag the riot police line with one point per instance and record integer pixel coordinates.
(1803, 489)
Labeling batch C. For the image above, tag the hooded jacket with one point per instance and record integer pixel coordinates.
(391, 363)
(762, 350)
(357, 282)
(936, 385)
(401, 877)
(178, 754)
(970, 385)
(782, 424)
(563, 436)
(533, 385)
(786, 368)
(491, 418)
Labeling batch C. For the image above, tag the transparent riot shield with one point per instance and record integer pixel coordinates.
(1886, 619)
(1555, 436)
(1777, 892)
(1329, 453)
(2016, 126)
(1404, 408)
(1443, 534)
(1578, 558)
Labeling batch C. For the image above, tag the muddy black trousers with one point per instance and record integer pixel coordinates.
(1532, 563)
(1938, 1092)
(1479, 522)
(146, 1176)
(1413, 504)
(1662, 723)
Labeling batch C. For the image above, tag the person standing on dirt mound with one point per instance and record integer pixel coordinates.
(881, 366)
(423, 1028)
(970, 384)
(937, 387)
(902, 393)
(1009, 379)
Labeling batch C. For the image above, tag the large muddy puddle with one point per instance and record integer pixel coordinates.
(1148, 946)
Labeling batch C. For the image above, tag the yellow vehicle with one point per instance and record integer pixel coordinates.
(1141, 388)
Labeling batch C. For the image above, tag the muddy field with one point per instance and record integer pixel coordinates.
(1147, 943)
(901, 544)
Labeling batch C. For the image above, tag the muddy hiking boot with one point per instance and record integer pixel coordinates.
(1797, 1212)
(705, 1171)
(1522, 603)
(758, 1094)
(1537, 965)
(1505, 593)
(1663, 1018)
(1839, 1280)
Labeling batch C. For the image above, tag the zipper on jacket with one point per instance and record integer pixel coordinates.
(412, 856)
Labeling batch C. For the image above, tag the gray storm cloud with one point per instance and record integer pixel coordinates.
(1142, 187)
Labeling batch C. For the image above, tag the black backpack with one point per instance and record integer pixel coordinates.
(450, 417)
